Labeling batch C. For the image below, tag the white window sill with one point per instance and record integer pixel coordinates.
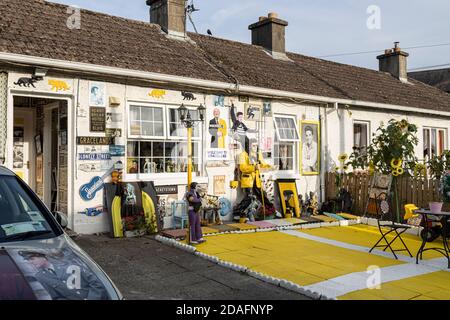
(161, 179)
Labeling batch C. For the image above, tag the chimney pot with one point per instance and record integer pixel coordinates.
(262, 18)
(273, 15)
(394, 61)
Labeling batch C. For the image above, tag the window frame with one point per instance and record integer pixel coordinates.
(369, 132)
(141, 105)
(437, 130)
(277, 130)
(178, 138)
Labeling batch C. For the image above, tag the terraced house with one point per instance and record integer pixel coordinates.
(80, 91)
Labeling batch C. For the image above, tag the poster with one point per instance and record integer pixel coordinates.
(97, 94)
(253, 112)
(132, 208)
(310, 148)
(39, 168)
(217, 138)
(219, 185)
(18, 148)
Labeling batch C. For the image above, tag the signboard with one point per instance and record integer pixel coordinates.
(94, 156)
(97, 119)
(117, 151)
(94, 141)
(166, 190)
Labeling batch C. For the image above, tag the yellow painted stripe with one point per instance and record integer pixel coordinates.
(243, 226)
(431, 286)
(367, 236)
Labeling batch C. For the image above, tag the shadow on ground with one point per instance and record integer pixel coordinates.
(143, 269)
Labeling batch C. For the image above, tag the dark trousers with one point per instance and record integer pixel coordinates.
(195, 226)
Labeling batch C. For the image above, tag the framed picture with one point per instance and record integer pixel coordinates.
(253, 112)
(267, 109)
(97, 94)
(310, 148)
(38, 144)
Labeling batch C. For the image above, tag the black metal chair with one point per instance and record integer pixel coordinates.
(387, 225)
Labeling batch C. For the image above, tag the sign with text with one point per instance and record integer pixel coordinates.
(97, 119)
(166, 190)
(94, 141)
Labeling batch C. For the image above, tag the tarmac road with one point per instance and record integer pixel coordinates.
(145, 269)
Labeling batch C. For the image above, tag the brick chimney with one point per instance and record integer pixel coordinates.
(269, 32)
(170, 15)
(394, 61)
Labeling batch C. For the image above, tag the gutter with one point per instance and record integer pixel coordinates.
(241, 89)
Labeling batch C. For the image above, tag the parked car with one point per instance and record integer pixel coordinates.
(38, 260)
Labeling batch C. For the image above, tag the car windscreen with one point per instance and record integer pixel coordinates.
(21, 216)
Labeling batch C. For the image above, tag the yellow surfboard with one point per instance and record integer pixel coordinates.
(117, 217)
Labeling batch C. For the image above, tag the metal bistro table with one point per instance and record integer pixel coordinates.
(444, 251)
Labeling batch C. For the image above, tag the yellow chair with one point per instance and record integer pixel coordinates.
(409, 210)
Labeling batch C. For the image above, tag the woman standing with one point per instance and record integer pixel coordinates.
(195, 205)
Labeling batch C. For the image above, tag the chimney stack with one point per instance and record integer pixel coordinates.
(394, 61)
(269, 32)
(170, 15)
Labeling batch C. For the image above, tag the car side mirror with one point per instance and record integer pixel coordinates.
(61, 218)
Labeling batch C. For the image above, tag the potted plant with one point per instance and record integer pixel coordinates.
(135, 226)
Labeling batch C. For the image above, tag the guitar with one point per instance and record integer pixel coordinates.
(89, 190)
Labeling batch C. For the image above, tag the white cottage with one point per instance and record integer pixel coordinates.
(80, 91)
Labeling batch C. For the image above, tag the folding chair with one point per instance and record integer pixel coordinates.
(387, 226)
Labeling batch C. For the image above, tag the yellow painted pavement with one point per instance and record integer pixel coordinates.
(283, 256)
(308, 262)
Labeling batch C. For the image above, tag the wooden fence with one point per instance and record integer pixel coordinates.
(419, 191)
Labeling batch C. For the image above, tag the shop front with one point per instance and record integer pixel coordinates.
(72, 137)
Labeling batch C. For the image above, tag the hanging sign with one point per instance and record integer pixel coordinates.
(97, 119)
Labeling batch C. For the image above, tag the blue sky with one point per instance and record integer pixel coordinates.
(319, 27)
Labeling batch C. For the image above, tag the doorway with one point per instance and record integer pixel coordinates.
(40, 148)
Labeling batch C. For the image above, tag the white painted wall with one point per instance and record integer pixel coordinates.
(336, 128)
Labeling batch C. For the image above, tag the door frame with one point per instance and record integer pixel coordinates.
(47, 136)
(32, 151)
(71, 128)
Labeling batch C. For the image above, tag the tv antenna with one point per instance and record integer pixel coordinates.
(190, 9)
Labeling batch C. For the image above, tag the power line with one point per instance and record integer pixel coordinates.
(430, 67)
(382, 50)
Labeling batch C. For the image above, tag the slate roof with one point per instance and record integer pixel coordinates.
(437, 78)
(38, 28)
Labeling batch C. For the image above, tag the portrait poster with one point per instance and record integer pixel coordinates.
(97, 94)
(310, 148)
(267, 109)
(219, 185)
(217, 137)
